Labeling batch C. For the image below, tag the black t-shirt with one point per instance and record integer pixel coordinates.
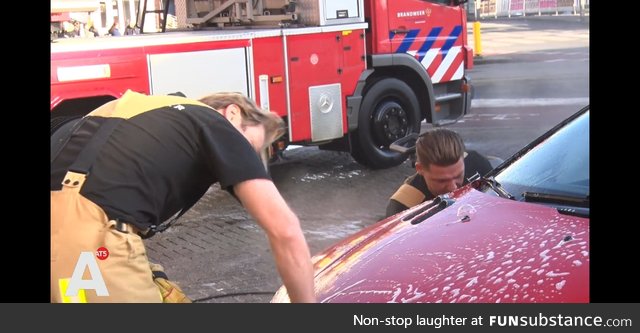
(158, 161)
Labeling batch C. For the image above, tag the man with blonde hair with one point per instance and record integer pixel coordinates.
(443, 165)
(122, 171)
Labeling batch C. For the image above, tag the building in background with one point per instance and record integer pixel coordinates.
(508, 8)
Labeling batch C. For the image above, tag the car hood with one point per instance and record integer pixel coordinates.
(506, 251)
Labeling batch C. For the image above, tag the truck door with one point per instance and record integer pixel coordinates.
(316, 71)
(429, 30)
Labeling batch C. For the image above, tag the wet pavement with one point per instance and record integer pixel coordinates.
(217, 253)
(503, 38)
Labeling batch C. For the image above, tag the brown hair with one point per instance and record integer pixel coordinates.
(440, 146)
(251, 114)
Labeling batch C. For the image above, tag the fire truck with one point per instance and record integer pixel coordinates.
(347, 75)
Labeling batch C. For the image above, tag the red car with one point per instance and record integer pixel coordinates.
(520, 234)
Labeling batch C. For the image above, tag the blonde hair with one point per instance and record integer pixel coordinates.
(440, 146)
(251, 114)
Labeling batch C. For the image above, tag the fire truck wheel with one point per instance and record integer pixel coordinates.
(389, 111)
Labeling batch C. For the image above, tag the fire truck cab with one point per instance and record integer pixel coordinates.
(345, 75)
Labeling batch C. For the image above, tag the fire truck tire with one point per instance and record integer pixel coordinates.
(389, 111)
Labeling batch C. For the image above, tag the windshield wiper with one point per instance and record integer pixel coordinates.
(439, 203)
(569, 204)
(569, 200)
(496, 187)
(577, 211)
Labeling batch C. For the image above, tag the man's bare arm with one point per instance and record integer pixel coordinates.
(263, 201)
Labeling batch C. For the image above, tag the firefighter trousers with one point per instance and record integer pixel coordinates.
(110, 265)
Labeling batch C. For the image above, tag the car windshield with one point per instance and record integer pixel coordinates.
(557, 166)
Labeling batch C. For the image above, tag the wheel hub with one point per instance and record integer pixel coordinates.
(390, 123)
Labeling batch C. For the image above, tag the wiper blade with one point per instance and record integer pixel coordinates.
(496, 187)
(577, 211)
(437, 204)
(570, 200)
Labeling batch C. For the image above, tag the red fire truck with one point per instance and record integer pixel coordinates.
(345, 75)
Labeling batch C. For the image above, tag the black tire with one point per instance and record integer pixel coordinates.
(389, 111)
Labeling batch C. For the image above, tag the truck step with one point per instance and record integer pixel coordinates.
(447, 97)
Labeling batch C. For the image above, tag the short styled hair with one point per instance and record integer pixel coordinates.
(439, 146)
(252, 115)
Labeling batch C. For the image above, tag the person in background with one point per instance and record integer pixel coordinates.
(131, 29)
(115, 29)
(68, 29)
(443, 165)
(91, 29)
(77, 29)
